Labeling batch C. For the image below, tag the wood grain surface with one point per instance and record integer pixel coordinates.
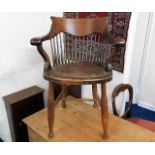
(82, 123)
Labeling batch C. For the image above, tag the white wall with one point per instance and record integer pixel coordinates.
(147, 79)
(137, 38)
(20, 64)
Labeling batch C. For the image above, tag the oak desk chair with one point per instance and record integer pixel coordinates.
(127, 113)
(78, 57)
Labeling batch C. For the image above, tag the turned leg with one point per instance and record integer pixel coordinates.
(104, 111)
(64, 94)
(94, 90)
(51, 108)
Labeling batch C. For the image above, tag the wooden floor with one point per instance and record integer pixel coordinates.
(81, 122)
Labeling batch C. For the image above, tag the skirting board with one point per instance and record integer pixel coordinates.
(146, 105)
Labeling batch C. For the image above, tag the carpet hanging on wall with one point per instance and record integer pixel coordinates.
(120, 24)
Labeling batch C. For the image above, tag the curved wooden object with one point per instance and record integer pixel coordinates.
(79, 26)
(115, 93)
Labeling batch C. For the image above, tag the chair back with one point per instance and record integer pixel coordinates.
(79, 40)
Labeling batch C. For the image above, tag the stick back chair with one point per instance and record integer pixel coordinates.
(78, 57)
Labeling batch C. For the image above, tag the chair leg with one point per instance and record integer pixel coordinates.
(104, 111)
(64, 88)
(94, 90)
(51, 109)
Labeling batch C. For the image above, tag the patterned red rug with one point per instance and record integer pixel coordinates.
(120, 24)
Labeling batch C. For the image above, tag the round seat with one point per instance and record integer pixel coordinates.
(77, 73)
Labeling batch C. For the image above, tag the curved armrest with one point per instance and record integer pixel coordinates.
(121, 88)
(119, 41)
(38, 43)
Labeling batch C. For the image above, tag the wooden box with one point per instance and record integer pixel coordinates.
(82, 123)
(22, 104)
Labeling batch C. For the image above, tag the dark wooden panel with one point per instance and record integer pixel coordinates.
(20, 105)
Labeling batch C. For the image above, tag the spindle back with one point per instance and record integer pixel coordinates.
(79, 40)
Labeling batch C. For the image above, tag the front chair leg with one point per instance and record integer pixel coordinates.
(51, 109)
(104, 111)
(94, 90)
(64, 94)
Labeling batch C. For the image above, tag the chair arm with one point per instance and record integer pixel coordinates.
(38, 43)
(118, 41)
(121, 88)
